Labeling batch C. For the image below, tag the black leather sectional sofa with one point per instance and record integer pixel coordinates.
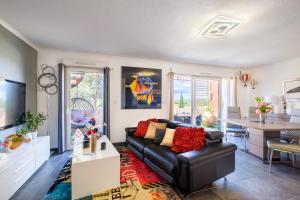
(188, 171)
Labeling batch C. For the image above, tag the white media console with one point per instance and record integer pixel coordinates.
(21, 164)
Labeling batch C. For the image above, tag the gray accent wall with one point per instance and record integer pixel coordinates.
(18, 62)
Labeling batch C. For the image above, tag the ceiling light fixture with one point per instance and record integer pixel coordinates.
(220, 26)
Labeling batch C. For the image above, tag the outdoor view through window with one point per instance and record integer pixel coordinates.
(193, 96)
(86, 101)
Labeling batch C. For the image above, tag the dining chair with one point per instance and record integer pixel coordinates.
(252, 113)
(290, 140)
(293, 149)
(292, 136)
(235, 113)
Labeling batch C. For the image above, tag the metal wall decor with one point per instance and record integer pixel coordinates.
(48, 80)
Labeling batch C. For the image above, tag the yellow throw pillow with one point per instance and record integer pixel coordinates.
(150, 134)
(168, 139)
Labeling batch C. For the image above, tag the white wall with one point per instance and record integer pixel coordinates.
(120, 118)
(244, 94)
(18, 62)
(270, 79)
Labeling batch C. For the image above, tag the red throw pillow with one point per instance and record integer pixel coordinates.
(142, 127)
(188, 139)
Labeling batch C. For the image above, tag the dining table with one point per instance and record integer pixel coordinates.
(259, 133)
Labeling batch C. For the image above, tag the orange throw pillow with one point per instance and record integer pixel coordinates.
(188, 139)
(143, 127)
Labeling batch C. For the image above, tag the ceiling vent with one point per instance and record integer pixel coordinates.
(220, 26)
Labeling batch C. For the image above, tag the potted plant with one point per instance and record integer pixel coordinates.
(263, 109)
(33, 122)
(23, 134)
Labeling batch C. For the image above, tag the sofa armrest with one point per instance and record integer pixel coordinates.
(199, 168)
(130, 131)
(209, 152)
(213, 136)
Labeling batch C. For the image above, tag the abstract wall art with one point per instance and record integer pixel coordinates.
(291, 90)
(141, 88)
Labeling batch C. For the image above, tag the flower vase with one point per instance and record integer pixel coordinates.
(263, 117)
(93, 143)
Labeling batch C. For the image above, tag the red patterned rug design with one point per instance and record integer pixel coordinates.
(137, 182)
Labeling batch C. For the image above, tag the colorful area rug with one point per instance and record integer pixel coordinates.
(137, 182)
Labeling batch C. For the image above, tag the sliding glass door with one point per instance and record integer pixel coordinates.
(195, 95)
(183, 99)
(207, 98)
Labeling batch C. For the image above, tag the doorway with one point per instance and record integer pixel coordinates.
(84, 100)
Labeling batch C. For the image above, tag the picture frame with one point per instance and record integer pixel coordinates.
(291, 89)
(141, 88)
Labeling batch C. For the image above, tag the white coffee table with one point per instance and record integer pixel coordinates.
(95, 173)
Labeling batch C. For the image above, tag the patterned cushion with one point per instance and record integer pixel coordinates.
(142, 127)
(188, 139)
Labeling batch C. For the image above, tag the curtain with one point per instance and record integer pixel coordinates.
(171, 93)
(233, 92)
(61, 109)
(106, 107)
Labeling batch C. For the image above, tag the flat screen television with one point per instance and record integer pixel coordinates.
(12, 103)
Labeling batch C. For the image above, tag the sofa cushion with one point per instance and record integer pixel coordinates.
(188, 139)
(150, 134)
(159, 136)
(168, 138)
(143, 127)
(138, 142)
(163, 157)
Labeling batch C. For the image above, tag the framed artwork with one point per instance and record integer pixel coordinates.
(141, 88)
(291, 89)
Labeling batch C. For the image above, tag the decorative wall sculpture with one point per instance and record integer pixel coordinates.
(48, 80)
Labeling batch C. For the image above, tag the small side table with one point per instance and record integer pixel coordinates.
(95, 173)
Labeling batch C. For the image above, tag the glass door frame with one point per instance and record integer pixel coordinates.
(67, 95)
(193, 94)
(194, 97)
